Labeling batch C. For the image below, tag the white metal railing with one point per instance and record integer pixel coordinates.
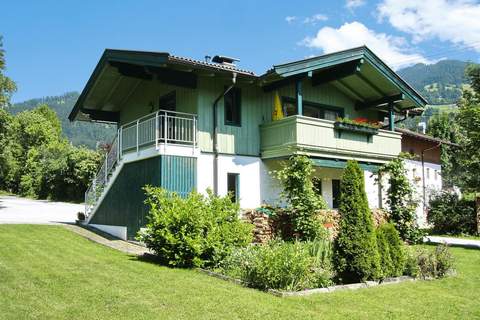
(160, 127)
(167, 127)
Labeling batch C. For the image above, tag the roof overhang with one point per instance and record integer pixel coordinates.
(357, 72)
(119, 72)
(425, 137)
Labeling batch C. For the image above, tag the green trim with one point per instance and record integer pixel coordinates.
(337, 72)
(136, 57)
(333, 59)
(299, 97)
(341, 164)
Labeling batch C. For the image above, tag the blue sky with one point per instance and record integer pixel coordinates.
(53, 46)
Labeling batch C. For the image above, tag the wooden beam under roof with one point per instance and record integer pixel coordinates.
(350, 90)
(337, 72)
(100, 115)
(162, 74)
(283, 82)
(384, 100)
(371, 85)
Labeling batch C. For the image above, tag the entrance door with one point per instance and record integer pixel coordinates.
(335, 193)
(168, 101)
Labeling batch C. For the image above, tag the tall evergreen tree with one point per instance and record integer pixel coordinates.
(469, 123)
(7, 86)
(355, 256)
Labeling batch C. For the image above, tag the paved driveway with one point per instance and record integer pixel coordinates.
(21, 210)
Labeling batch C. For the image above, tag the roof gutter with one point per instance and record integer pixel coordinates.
(215, 132)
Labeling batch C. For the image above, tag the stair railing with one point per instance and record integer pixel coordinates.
(100, 180)
(161, 127)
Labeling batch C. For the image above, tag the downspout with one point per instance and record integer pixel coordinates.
(215, 133)
(423, 175)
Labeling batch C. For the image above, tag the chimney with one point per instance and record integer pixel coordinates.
(226, 61)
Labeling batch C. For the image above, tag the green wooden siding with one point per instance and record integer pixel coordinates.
(257, 107)
(178, 174)
(145, 95)
(243, 139)
(124, 203)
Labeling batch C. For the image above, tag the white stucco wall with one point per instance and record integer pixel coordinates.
(433, 182)
(251, 171)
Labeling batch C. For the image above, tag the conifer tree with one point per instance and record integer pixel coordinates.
(355, 256)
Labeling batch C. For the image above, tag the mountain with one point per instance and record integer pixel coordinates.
(79, 133)
(439, 83)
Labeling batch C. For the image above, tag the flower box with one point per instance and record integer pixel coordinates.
(357, 128)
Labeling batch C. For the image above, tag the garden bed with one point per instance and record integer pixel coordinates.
(307, 292)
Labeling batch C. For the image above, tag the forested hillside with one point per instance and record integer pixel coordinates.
(79, 133)
(439, 83)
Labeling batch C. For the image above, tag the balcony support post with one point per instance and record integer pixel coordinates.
(299, 97)
(391, 117)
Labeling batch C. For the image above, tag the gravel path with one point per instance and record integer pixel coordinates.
(27, 211)
(467, 243)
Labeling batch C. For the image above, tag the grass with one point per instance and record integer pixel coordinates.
(48, 272)
(5, 193)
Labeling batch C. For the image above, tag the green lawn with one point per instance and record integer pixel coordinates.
(48, 272)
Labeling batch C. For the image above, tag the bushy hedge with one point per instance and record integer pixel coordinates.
(195, 231)
(303, 201)
(282, 265)
(449, 214)
(426, 263)
(355, 257)
(391, 251)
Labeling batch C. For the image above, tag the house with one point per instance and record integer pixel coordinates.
(186, 124)
(424, 170)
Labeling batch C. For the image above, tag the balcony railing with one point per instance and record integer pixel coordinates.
(318, 137)
(161, 127)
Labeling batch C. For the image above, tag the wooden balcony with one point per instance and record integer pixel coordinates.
(319, 138)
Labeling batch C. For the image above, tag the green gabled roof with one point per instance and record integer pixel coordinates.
(373, 74)
(137, 63)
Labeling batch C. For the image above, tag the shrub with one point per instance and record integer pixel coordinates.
(391, 250)
(449, 214)
(304, 202)
(386, 263)
(355, 257)
(425, 263)
(401, 200)
(282, 265)
(195, 231)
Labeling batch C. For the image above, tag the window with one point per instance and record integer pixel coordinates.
(233, 186)
(335, 193)
(436, 175)
(428, 173)
(311, 109)
(232, 102)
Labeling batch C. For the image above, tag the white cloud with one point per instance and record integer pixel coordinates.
(315, 18)
(352, 4)
(290, 19)
(456, 21)
(395, 51)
